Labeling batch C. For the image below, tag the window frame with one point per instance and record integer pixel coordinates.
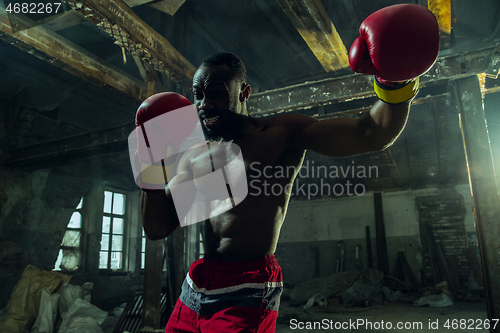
(125, 232)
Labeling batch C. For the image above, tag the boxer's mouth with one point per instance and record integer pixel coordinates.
(210, 121)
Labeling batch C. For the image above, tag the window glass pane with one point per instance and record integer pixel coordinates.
(106, 224)
(107, 201)
(105, 242)
(71, 238)
(117, 226)
(116, 260)
(58, 261)
(75, 221)
(103, 259)
(117, 243)
(143, 260)
(70, 260)
(202, 249)
(80, 204)
(143, 245)
(119, 204)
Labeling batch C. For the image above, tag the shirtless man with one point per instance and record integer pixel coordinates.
(237, 285)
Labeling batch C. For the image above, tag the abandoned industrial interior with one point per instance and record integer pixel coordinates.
(365, 237)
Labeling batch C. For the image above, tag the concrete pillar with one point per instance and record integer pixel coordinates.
(468, 99)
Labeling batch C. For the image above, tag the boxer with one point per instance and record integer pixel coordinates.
(236, 287)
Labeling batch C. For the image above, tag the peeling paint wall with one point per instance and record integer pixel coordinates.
(35, 211)
(36, 208)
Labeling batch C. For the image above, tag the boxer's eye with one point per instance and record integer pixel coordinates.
(198, 95)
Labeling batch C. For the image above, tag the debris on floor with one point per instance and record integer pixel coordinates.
(334, 285)
(435, 301)
(45, 302)
(24, 303)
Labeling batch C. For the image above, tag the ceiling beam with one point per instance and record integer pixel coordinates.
(74, 148)
(58, 51)
(358, 112)
(336, 90)
(357, 86)
(133, 34)
(442, 10)
(115, 140)
(71, 17)
(314, 25)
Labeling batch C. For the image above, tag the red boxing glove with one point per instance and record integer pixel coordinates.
(396, 43)
(162, 122)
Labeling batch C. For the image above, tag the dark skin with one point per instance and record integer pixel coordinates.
(251, 229)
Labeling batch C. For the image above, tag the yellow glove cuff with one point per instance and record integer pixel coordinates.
(401, 93)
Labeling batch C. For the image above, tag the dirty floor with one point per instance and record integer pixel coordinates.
(461, 317)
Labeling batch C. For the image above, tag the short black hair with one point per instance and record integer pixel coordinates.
(236, 65)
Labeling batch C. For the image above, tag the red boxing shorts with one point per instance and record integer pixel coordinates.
(225, 297)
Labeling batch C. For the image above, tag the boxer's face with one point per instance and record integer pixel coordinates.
(217, 99)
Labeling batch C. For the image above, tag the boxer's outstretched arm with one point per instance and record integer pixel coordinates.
(397, 44)
(341, 137)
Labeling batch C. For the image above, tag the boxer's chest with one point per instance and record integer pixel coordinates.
(239, 159)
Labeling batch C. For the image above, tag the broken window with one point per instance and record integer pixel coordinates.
(69, 253)
(113, 231)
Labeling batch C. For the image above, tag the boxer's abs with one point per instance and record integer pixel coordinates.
(249, 231)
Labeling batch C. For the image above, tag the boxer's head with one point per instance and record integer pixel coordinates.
(220, 94)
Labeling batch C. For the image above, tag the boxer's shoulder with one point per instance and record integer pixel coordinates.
(291, 123)
(290, 119)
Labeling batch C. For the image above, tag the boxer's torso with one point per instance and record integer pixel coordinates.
(251, 229)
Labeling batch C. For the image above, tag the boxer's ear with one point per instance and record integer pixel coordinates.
(245, 92)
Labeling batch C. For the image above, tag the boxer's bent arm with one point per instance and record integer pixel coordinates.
(158, 213)
(341, 137)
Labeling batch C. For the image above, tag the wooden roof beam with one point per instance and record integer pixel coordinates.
(358, 86)
(133, 34)
(442, 10)
(312, 22)
(72, 17)
(75, 148)
(53, 48)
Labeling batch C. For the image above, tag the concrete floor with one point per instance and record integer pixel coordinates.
(417, 319)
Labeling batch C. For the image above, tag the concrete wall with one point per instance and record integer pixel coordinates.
(307, 246)
(36, 208)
